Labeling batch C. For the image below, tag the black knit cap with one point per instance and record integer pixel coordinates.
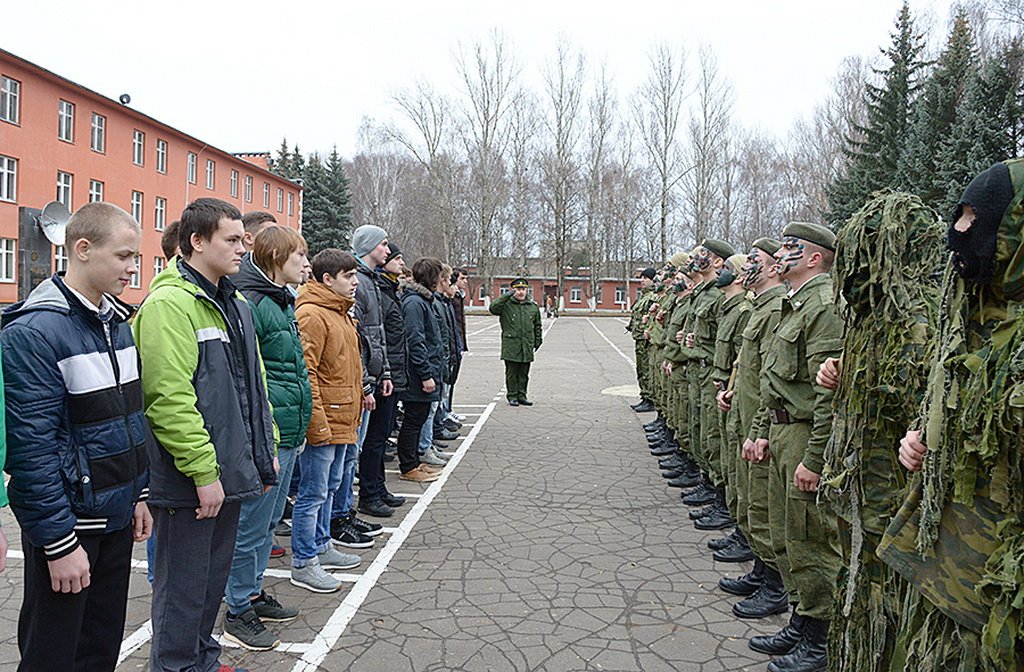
(648, 273)
(395, 252)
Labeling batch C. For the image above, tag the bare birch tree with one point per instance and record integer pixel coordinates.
(522, 206)
(601, 120)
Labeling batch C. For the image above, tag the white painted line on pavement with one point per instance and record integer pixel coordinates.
(283, 647)
(480, 331)
(135, 641)
(624, 356)
(342, 616)
(544, 336)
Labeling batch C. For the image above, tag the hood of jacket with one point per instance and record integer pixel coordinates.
(318, 294)
(413, 286)
(252, 278)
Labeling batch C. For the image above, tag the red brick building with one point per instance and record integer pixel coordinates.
(612, 293)
(61, 141)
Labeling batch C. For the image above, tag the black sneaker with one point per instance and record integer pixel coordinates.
(246, 630)
(365, 526)
(345, 534)
(392, 500)
(272, 611)
(376, 508)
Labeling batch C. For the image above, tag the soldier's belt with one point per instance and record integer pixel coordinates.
(780, 416)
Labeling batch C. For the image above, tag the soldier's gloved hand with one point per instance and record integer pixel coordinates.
(805, 480)
(828, 373)
(912, 451)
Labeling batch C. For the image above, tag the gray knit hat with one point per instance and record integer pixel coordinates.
(367, 237)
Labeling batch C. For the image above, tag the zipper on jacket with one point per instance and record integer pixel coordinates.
(112, 354)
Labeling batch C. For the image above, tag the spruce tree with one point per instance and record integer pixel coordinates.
(338, 191)
(877, 156)
(282, 164)
(321, 224)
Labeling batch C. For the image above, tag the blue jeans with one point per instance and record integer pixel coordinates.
(323, 470)
(343, 502)
(150, 555)
(255, 536)
(427, 431)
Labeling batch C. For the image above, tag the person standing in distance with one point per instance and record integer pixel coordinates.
(520, 338)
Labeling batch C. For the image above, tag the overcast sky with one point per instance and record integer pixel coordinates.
(242, 75)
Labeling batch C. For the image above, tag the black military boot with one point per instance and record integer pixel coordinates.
(654, 424)
(738, 552)
(719, 517)
(673, 461)
(747, 584)
(724, 542)
(702, 494)
(783, 641)
(771, 598)
(701, 512)
(656, 438)
(810, 655)
(663, 449)
(687, 479)
(645, 406)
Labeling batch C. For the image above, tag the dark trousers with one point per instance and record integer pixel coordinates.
(193, 558)
(451, 386)
(416, 413)
(69, 631)
(371, 459)
(517, 377)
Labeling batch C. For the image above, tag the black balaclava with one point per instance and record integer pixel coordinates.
(974, 251)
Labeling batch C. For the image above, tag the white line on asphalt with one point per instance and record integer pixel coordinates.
(135, 641)
(545, 334)
(624, 356)
(622, 319)
(339, 620)
(480, 331)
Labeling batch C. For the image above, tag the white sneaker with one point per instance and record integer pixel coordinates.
(335, 559)
(313, 577)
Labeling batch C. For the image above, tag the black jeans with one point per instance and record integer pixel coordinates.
(76, 631)
(371, 459)
(416, 413)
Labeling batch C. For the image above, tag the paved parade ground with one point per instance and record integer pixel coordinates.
(551, 543)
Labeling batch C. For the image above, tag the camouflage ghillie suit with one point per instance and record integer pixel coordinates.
(889, 258)
(959, 537)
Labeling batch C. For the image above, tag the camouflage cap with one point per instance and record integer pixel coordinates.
(719, 247)
(679, 259)
(769, 245)
(812, 233)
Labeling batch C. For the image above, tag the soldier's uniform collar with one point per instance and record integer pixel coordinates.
(796, 302)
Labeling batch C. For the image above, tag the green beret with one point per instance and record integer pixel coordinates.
(769, 245)
(812, 233)
(519, 282)
(719, 247)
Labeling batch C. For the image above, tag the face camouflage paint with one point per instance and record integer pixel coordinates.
(792, 251)
(702, 261)
(751, 271)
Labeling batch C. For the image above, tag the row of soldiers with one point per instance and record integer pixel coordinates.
(852, 405)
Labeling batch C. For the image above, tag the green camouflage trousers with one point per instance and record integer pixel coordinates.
(711, 433)
(643, 369)
(758, 530)
(729, 428)
(804, 536)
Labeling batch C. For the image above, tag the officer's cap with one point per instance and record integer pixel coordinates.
(519, 283)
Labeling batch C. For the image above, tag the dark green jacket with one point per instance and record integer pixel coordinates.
(520, 327)
(273, 313)
(729, 338)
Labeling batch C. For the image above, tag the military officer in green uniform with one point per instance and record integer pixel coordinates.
(520, 338)
(636, 330)
(804, 535)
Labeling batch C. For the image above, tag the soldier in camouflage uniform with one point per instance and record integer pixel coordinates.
(889, 260)
(804, 535)
(959, 537)
(636, 330)
(679, 461)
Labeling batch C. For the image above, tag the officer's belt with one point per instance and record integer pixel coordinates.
(780, 416)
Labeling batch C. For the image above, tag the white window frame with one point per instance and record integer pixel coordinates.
(159, 213)
(620, 296)
(65, 189)
(98, 133)
(575, 295)
(483, 292)
(66, 121)
(211, 174)
(8, 178)
(136, 278)
(291, 204)
(248, 188)
(8, 259)
(280, 199)
(10, 99)
(161, 156)
(234, 183)
(266, 195)
(191, 169)
(159, 264)
(138, 200)
(95, 191)
(60, 258)
(138, 147)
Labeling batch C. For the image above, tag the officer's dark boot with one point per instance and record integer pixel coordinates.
(783, 641)
(724, 542)
(719, 518)
(673, 461)
(687, 479)
(645, 406)
(701, 512)
(810, 655)
(702, 494)
(657, 423)
(771, 598)
(738, 552)
(747, 584)
(662, 449)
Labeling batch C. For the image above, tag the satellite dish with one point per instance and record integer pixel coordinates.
(125, 99)
(53, 220)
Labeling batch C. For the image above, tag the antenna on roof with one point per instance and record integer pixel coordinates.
(125, 99)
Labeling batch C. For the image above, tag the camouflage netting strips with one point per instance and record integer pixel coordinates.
(889, 258)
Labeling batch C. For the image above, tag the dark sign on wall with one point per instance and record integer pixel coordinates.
(35, 253)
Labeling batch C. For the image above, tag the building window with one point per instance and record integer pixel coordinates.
(98, 133)
(192, 158)
(483, 292)
(620, 295)
(234, 184)
(10, 94)
(64, 183)
(95, 191)
(280, 199)
(575, 295)
(160, 213)
(137, 206)
(599, 296)
(60, 258)
(8, 265)
(291, 204)
(211, 168)
(66, 121)
(161, 156)
(248, 188)
(158, 266)
(504, 290)
(266, 194)
(136, 279)
(138, 147)
(8, 178)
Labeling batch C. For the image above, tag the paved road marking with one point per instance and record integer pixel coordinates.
(135, 641)
(624, 355)
(342, 616)
(480, 331)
